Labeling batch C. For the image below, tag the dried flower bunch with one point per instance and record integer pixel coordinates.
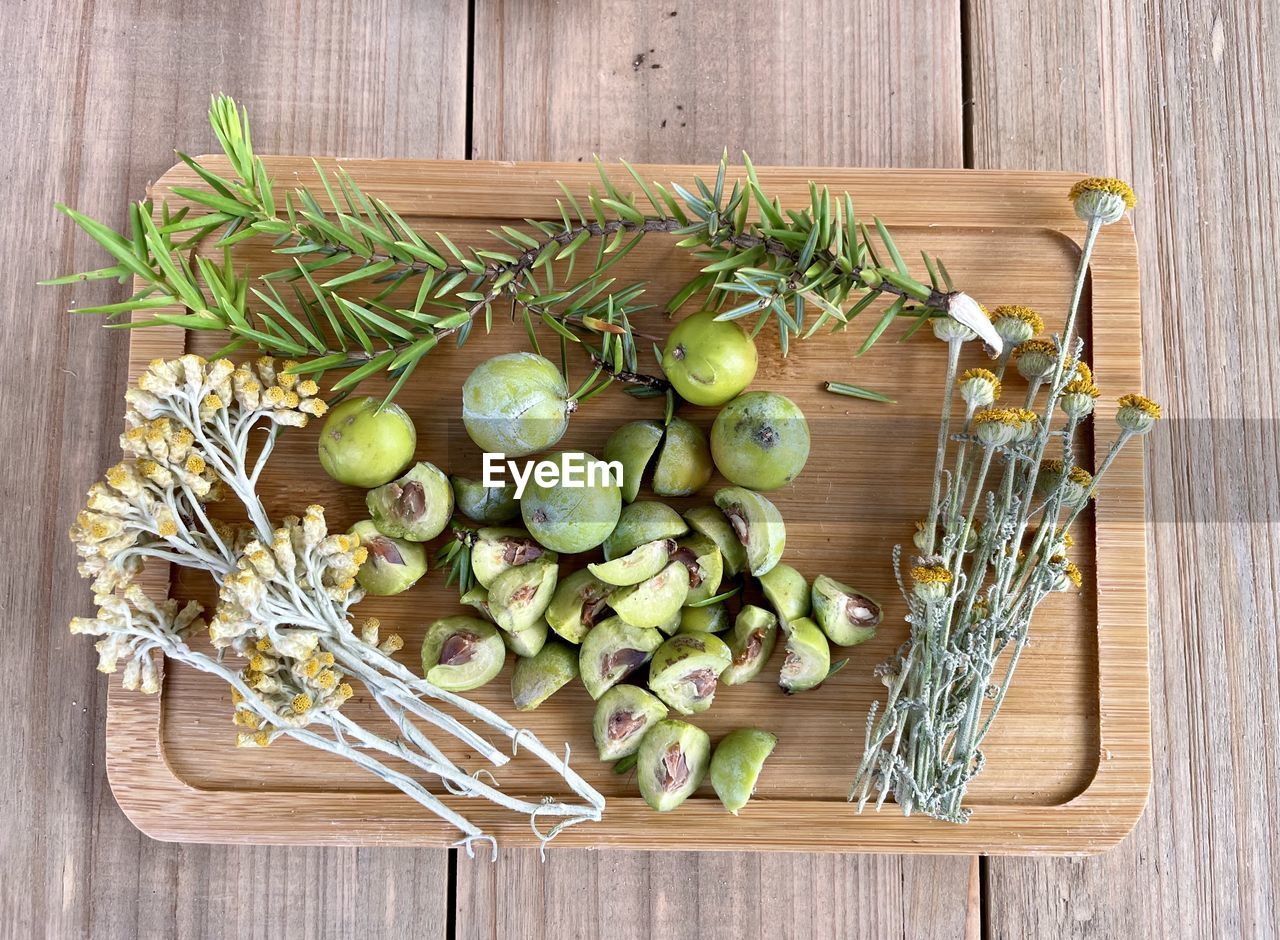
(285, 593)
(995, 544)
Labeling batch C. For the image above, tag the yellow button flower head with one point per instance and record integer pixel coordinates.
(996, 427)
(1074, 486)
(1080, 476)
(1102, 199)
(930, 582)
(1016, 324)
(1051, 471)
(1029, 427)
(1137, 413)
(1070, 576)
(979, 387)
(1079, 394)
(1036, 358)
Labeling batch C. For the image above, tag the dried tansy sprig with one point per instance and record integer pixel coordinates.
(285, 593)
(335, 303)
(995, 544)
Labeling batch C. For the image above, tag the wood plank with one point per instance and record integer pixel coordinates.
(674, 82)
(578, 893)
(99, 95)
(555, 83)
(1175, 98)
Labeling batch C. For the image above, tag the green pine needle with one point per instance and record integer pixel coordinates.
(784, 262)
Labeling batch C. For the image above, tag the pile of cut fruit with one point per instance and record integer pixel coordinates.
(659, 596)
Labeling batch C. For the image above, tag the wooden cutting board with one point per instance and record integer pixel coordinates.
(1069, 761)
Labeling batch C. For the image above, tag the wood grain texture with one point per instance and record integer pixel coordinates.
(673, 82)
(97, 96)
(1180, 99)
(789, 83)
(753, 896)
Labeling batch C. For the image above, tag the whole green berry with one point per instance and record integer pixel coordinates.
(393, 565)
(760, 440)
(516, 404)
(366, 443)
(709, 361)
(569, 518)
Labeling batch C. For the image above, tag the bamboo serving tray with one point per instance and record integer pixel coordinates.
(1069, 761)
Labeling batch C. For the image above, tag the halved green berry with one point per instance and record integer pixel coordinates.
(637, 565)
(846, 615)
(684, 671)
(754, 634)
(808, 659)
(462, 653)
(579, 603)
(672, 763)
(655, 600)
(612, 651)
(757, 524)
(787, 591)
(537, 678)
(622, 717)
(640, 523)
(736, 765)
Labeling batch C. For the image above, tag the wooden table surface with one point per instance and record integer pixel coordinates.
(1178, 97)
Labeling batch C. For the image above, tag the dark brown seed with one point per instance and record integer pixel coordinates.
(627, 659)
(739, 523)
(687, 558)
(411, 500)
(592, 610)
(458, 649)
(517, 552)
(703, 682)
(623, 724)
(751, 649)
(673, 771)
(385, 549)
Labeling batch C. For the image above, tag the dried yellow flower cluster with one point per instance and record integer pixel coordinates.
(302, 552)
(174, 465)
(262, 389)
(293, 687)
(133, 627)
(185, 434)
